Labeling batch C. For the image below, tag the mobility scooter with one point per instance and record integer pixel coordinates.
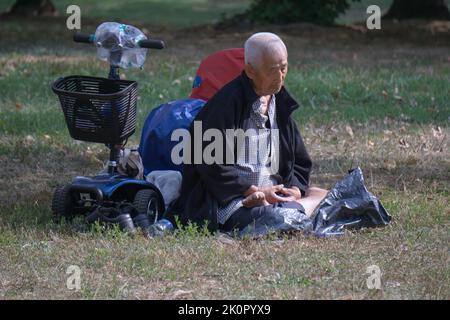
(103, 110)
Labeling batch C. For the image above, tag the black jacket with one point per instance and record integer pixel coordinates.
(206, 187)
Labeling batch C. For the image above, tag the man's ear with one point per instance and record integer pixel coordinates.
(249, 71)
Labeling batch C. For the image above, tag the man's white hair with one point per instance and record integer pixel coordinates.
(262, 44)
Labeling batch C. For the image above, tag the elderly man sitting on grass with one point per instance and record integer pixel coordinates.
(232, 195)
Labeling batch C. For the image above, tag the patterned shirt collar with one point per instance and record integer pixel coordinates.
(257, 115)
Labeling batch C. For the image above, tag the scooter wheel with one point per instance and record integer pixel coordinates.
(62, 204)
(148, 202)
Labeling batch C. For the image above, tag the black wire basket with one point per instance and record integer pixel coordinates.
(98, 109)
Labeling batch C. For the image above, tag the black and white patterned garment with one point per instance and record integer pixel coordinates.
(256, 154)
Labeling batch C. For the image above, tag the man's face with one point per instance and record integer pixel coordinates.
(268, 77)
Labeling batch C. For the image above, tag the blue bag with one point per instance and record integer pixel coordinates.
(155, 147)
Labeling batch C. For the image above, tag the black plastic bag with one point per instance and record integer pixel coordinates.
(348, 205)
(278, 220)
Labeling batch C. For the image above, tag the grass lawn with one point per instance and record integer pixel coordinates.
(161, 13)
(381, 103)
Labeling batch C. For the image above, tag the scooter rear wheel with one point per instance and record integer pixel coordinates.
(62, 204)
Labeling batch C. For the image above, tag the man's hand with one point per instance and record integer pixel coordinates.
(271, 196)
(291, 194)
(256, 199)
(250, 190)
(268, 195)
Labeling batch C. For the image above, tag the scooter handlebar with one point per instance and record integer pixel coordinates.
(148, 43)
(83, 37)
(151, 44)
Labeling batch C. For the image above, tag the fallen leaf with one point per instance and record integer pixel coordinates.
(180, 294)
(333, 129)
(29, 140)
(403, 143)
(437, 133)
(349, 131)
(390, 164)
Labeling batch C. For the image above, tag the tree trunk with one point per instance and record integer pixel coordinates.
(28, 8)
(418, 9)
